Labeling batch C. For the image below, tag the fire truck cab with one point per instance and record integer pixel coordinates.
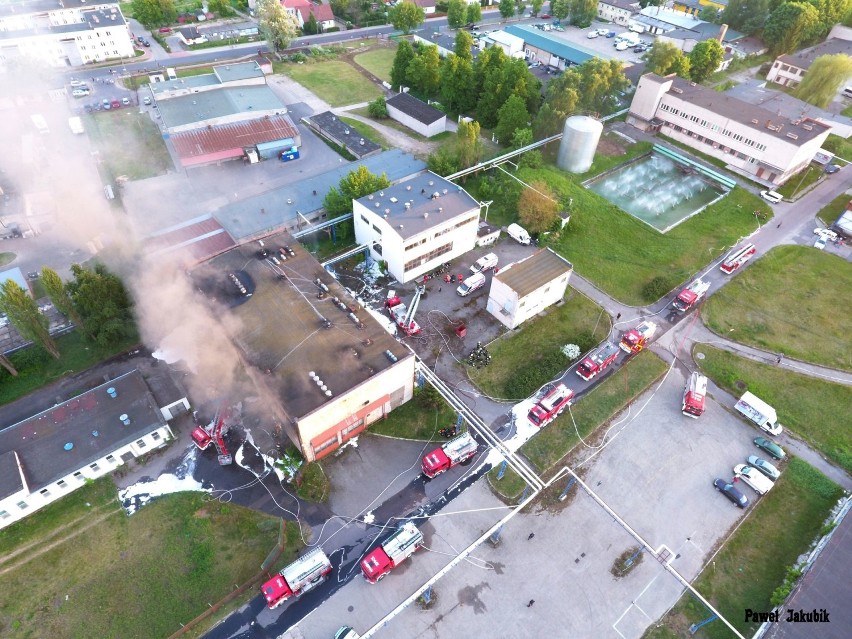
(694, 395)
(551, 405)
(597, 360)
(302, 575)
(454, 452)
(397, 548)
(635, 339)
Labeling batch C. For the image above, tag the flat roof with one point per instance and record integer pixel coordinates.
(222, 137)
(805, 58)
(238, 71)
(762, 93)
(89, 421)
(25, 7)
(17, 275)
(532, 273)
(433, 201)
(207, 105)
(417, 109)
(573, 53)
(281, 330)
(102, 18)
(445, 41)
(188, 83)
(349, 135)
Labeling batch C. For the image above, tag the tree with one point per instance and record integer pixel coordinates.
(456, 13)
(103, 303)
(6, 363)
(651, 3)
(704, 59)
(507, 8)
(357, 183)
(709, 14)
(583, 12)
(404, 55)
(277, 26)
(535, 6)
(377, 108)
(220, 7)
(24, 315)
(747, 16)
(474, 12)
(424, 71)
(560, 9)
(537, 208)
(443, 162)
(824, 78)
(152, 13)
(790, 26)
(406, 16)
(468, 143)
(522, 137)
(55, 288)
(664, 58)
(456, 83)
(463, 46)
(311, 27)
(511, 116)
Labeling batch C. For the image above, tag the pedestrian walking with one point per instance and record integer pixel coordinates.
(531, 536)
(532, 601)
(439, 289)
(779, 358)
(618, 317)
(779, 225)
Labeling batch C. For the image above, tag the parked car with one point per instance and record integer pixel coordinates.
(545, 16)
(165, 30)
(622, 46)
(610, 34)
(760, 483)
(729, 491)
(115, 104)
(346, 633)
(80, 93)
(106, 104)
(820, 243)
(831, 169)
(764, 466)
(770, 447)
(145, 43)
(125, 101)
(592, 34)
(140, 39)
(146, 100)
(603, 32)
(77, 83)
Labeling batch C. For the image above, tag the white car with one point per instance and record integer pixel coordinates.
(623, 46)
(592, 34)
(754, 478)
(603, 32)
(820, 243)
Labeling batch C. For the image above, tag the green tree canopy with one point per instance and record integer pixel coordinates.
(535, 6)
(456, 83)
(790, 26)
(357, 183)
(464, 42)
(103, 303)
(538, 208)
(507, 8)
(406, 16)
(583, 12)
(404, 55)
(378, 108)
(154, 13)
(56, 291)
(511, 116)
(474, 12)
(311, 27)
(23, 313)
(560, 8)
(747, 16)
(277, 26)
(424, 71)
(456, 13)
(704, 59)
(468, 143)
(824, 77)
(664, 58)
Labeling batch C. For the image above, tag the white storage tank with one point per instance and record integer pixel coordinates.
(580, 139)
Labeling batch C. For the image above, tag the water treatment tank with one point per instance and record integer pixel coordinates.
(580, 139)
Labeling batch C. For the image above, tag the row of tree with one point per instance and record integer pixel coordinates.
(94, 300)
(159, 13)
(664, 58)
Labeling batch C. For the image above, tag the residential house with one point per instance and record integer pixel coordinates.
(617, 11)
(789, 69)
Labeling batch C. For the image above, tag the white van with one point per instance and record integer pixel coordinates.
(518, 233)
(771, 196)
(471, 284)
(754, 478)
(484, 263)
(630, 37)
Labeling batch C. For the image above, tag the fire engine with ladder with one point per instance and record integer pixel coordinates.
(304, 574)
(637, 338)
(689, 296)
(397, 548)
(404, 317)
(694, 395)
(551, 405)
(454, 452)
(597, 360)
(215, 433)
(737, 258)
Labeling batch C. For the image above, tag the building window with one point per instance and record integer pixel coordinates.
(23, 505)
(79, 475)
(110, 459)
(61, 483)
(141, 443)
(155, 436)
(4, 514)
(325, 444)
(44, 492)
(377, 248)
(352, 427)
(95, 467)
(377, 229)
(364, 219)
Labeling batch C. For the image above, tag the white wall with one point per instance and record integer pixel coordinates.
(512, 311)
(427, 130)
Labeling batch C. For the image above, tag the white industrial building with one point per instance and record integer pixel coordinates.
(789, 69)
(523, 289)
(68, 33)
(55, 452)
(417, 225)
(617, 11)
(750, 138)
(512, 45)
(416, 115)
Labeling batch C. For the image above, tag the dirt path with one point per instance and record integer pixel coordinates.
(399, 139)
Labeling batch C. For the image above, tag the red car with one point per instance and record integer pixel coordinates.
(545, 16)
(115, 104)
(165, 30)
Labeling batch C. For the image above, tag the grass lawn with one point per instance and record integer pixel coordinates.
(334, 81)
(597, 408)
(393, 124)
(139, 576)
(129, 143)
(841, 147)
(6, 257)
(378, 62)
(524, 360)
(800, 182)
(314, 485)
(420, 418)
(368, 132)
(510, 486)
(833, 209)
(755, 559)
(799, 399)
(787, 302)
(847, 111)
(36, 368)
(622, 255)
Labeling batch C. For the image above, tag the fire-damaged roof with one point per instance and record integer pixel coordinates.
(531, 274)
(201, 238)
(89, 422)
(225, 141)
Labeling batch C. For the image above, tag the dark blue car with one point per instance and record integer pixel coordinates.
(729, 491)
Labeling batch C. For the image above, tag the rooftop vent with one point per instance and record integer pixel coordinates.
(436, 195)
(112, 392)
(346, 131)
(808, 127)
(792, 136)
(378, 204)
(425, 215)
(361, 141)
(440, 209)
(394, 200)
(431, 183)
(401, 227)
(391, 356)
(385, 216)
(68, 446)
(370, 197)
(407, 206)
(445, 191)
(408, 188)
(95, 433)
(381, 193)
(677, 90)
(125, 419)
(387, 211)
(755, 121)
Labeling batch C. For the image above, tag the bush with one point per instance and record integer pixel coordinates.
(532, 159)
(657, 287)
(528, 378)
(377, 108)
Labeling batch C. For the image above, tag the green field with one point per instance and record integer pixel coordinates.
(421, 418)
(607, 398)
(816, 410)
(753, 562)
(622, 254)
(128, 143)
(108, 575)
(378, 62)
(523, 360)
(789, 301)
(334, 81)
(368, 132)
(833, 209)
(800, 182)
(6, 257)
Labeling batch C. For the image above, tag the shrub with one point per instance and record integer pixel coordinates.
(377, 108)
(656, 287)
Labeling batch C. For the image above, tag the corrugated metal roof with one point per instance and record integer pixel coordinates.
(225, 137)
(531, 274)
(533, 37)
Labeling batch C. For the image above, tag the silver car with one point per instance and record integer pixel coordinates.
(764, 466)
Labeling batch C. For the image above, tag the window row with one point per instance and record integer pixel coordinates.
(713, 127)
(441, 250)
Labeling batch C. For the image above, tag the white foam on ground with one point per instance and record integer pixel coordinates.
(369, 518)
(382, 319)
(142, 492)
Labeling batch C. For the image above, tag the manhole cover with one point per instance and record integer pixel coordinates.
(741, 384)
(699, 356)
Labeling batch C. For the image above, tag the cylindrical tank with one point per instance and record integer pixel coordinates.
(580, 139)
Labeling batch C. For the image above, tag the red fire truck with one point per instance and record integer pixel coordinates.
(396, 549)
(453, 453)
(687, 298)
(737, 258)
(693, 395)
(597, 360)
(551, 405)
(637, 338)
(298, 578)
(403, 316)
